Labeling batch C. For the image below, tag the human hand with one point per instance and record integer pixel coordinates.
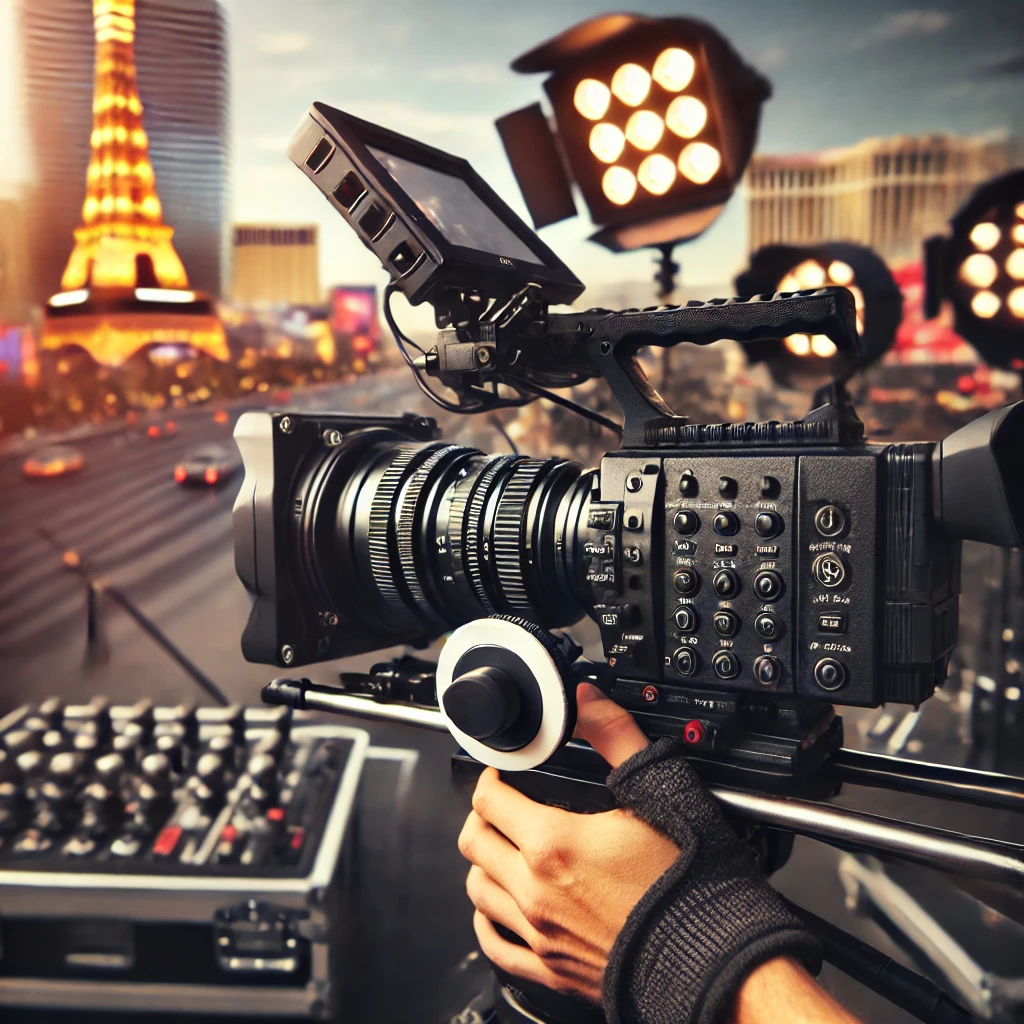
(565, 883)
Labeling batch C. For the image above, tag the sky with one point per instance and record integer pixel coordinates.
(841, 70)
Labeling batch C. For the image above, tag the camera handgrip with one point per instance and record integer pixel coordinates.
(613, 339)
(828, 311)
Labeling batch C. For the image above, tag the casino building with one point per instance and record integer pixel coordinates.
(182, 58)
(276, 264)
(888, 194)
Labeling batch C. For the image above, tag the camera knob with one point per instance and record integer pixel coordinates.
(504, 686)
(482, 702)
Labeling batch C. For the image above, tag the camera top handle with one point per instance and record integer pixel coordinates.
(613, 339)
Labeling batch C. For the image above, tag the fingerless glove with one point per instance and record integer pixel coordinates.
(708, 921)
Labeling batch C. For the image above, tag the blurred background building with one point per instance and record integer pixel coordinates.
(276, 263)
(888, 194)
(14, 299)
(182, 57)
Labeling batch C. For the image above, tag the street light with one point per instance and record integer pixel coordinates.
(979, 269)
(877, 300)
(654, 118)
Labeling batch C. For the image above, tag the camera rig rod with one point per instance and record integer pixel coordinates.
(846, 829)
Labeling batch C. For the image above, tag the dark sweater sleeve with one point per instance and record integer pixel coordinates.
(708, 921)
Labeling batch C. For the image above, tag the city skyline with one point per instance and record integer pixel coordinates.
(841, 73)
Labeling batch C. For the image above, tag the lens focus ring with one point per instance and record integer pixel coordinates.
(409, 500)
(510, 529)
(381, 513)
(477, 545)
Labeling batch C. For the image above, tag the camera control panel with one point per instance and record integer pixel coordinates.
(743, 574)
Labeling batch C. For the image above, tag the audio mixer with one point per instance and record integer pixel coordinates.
(191, 855)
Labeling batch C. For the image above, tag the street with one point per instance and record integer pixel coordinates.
(169, 549)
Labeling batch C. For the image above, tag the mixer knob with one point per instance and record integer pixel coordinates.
(66, 765)
(262, 768)
(170, 745)
(136, 720)
(155, 782)
(156, 767)
(47, 716)
(30, 763)
(130, 742)
(109, 767)
(86, 742)
(54, 740)
(19, 740)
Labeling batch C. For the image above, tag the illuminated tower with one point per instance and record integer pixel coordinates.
(124, 285)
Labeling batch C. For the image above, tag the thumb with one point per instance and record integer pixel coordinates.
(609, 729)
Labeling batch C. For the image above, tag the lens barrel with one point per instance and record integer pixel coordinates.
(404, 541)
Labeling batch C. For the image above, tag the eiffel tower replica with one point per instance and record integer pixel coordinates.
(124, 286)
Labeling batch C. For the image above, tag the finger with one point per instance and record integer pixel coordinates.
(518, 960)
(609, 729)
(484, 846)
(509, 811)
(497, 905)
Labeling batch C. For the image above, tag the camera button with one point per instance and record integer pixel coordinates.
(688, 486)
(767, 626)
(727, 583)
(767, 670)
(829, 521)
(686, 522)
(684, 661)
(830, 674)
(727, 524)
(686, 581)
(725, 623)
(829, 570)
(726, 665)
(727, 487)
(768, 524)
(685, 619)
(768, 586)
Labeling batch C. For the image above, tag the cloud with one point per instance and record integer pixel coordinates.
(271, 143)
(417, 122)
(772, 58)
(1011, 66)
(283, 44)
(468, 74)
(903, 25)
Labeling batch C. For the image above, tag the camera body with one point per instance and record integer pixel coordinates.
(738, 565)
(801, 572)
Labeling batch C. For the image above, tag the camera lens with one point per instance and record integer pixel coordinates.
(403, 541)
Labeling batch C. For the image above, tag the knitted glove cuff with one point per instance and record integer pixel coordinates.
(708, 921)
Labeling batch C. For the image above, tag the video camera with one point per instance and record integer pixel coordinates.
(745, 577)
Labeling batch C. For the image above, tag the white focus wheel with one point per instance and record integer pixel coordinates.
(503, 689)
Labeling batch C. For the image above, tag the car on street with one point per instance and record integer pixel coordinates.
(55, 460)
(158, 430)
(209, 464)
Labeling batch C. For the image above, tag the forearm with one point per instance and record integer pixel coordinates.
(781, 990)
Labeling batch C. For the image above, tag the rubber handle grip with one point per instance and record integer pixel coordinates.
(828, 311)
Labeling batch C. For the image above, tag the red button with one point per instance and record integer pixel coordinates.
(167, 841)
(275, 814)
(694, 731)
(297, 839)
(228, 834)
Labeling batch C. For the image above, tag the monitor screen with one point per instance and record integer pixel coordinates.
(455, 209)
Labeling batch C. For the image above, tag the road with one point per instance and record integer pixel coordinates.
(169, 550)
